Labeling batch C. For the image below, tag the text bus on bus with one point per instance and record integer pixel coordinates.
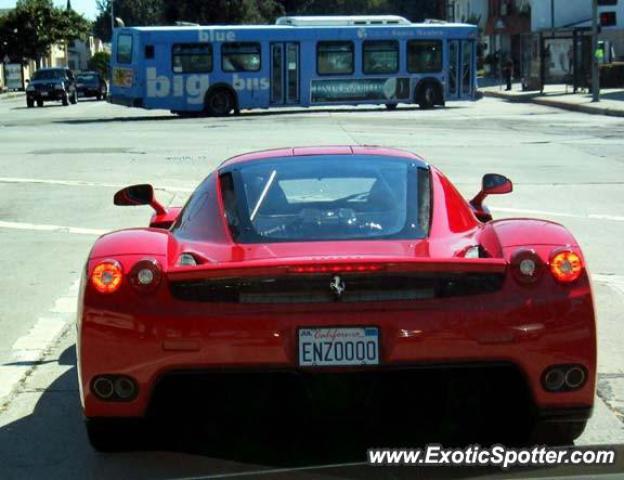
(297, 62)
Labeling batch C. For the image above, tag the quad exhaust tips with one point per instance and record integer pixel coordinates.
(564, 378)
(115, 388)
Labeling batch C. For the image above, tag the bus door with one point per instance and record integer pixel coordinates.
(460, 69)
(454, 67)
(467, 69)
(284, 73)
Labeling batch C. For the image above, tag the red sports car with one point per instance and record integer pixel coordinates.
(344, 278)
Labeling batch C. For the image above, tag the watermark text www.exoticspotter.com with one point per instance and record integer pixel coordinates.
(498, 456)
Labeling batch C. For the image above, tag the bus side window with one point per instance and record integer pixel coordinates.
(380, 56)
(191, 58)
(240, 57)
(424, 56)
(124, 48)
(334, 58)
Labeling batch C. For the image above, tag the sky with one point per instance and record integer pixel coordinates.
(86, 7)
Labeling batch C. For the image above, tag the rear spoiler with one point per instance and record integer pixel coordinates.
(290, 266)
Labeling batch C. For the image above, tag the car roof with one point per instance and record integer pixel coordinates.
(294, 152)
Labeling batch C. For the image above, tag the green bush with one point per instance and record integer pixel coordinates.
(612, 75)
(100, 62)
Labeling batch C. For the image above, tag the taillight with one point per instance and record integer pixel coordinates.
(107, 276)
(526, 265)
(565, 265)
(335, 268)
(145, 275)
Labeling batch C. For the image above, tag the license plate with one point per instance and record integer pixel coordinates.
(44, 94)
(324, 347)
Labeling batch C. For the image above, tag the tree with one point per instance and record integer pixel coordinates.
(223, 12)
(100, 62)
(132, 12)
(28, 31)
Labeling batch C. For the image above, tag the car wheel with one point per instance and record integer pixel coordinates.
(65, 99)
(427, 96)
(219, 103)
(115, 434)
(391, 106)
(40, 103)
(30, 102)
(556, 433)
(98, 97)
(74, 98)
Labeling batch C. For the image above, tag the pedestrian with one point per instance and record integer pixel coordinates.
(508, 68)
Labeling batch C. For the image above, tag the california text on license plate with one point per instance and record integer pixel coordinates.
(320, 347)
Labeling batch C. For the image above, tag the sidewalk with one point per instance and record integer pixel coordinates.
(8, 95)
(611, 100)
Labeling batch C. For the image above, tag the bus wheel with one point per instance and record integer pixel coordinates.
(391, 106)
(427, 96)
(219, 103)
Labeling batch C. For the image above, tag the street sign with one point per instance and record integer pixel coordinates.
(13, 76)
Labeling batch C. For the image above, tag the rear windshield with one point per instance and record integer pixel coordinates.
(326, 198)
(87, 77)
(48, 74)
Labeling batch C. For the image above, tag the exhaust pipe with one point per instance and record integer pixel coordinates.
(103, 387)
(125, 388)
(554, 379)
(575, 377)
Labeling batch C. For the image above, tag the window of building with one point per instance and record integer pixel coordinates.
(191, 58)
(240, 57)
(334, 58)
(380, 56)
(424, 56)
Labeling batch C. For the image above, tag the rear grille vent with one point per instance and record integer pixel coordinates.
(316, 289)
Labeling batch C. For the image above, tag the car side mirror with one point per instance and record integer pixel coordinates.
(495, 184)
(492, 184)
(142, 194)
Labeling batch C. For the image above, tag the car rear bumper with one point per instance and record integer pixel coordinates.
(151, 339)
(55, 95)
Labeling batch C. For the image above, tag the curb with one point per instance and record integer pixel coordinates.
(10, 95)
(546, 102)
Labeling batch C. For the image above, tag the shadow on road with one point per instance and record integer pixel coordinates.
(244, 114)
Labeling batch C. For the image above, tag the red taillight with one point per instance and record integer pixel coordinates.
(107, 276)
(526, 265)
(336, 268)
(565, 265)
(145, 275)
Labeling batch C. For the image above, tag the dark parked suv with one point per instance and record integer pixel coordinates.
(51, 84)
(91, 84)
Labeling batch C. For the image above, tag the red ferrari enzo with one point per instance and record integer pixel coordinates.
(348, 279)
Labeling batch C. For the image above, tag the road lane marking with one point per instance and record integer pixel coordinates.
(85, 183)
(31, 348)
(52, 228)
(591, 216)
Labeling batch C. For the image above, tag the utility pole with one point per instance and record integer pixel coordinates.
(112, 2)
(552, 16)
(595, 66)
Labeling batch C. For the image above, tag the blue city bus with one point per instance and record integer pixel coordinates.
(218, 70)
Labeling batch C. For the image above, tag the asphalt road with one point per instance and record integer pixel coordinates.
(59, 167)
